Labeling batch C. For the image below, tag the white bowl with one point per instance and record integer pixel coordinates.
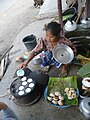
(37, 60)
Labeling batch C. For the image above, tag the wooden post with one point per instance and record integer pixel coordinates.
(86, 6)
(60, 14)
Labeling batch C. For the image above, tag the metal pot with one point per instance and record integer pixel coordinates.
(86, 82)
(85, 88)
(70, 25)
(85, 23)
(84, 107)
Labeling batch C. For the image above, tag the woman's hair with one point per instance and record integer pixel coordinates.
(53, 27)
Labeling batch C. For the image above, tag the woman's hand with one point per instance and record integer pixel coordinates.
(2, 106)
(23, 65)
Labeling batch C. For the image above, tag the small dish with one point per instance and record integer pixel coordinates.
(20, 73)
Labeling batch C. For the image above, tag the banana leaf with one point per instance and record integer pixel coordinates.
(65, 17)
(85, 70)
(59, 84)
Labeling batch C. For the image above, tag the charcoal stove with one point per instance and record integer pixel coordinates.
(25, 91)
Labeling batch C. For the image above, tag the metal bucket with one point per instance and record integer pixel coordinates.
(30, 42)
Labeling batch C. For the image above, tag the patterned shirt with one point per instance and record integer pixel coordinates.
(44, 45)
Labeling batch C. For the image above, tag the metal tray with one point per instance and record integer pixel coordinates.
(63, 54)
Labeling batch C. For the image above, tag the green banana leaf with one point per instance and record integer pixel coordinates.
(85, 70)
(65, 17)
(59, 84)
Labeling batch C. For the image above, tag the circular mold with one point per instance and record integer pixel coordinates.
(23, 79)
(31, 85)
(21, 93)
(28, 90)
(24, 83)
(30, 80)
(21, 88)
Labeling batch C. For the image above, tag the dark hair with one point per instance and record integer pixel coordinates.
(53, 27)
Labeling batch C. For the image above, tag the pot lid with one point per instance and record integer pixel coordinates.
(63, 54)
(86, 21)
(85, 105)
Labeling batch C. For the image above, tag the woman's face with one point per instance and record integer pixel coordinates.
(51, 38)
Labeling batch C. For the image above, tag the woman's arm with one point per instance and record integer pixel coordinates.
(8, 112)
(39, 47)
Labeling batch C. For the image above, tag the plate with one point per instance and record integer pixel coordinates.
(59, 84)
(20, 73)
(45, 95)
(63, 106)
(63, 54)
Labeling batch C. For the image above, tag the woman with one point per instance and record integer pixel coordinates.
(52, 39)
(8, 112)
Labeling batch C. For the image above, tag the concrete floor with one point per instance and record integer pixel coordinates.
(4, 4)
(41, 110)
